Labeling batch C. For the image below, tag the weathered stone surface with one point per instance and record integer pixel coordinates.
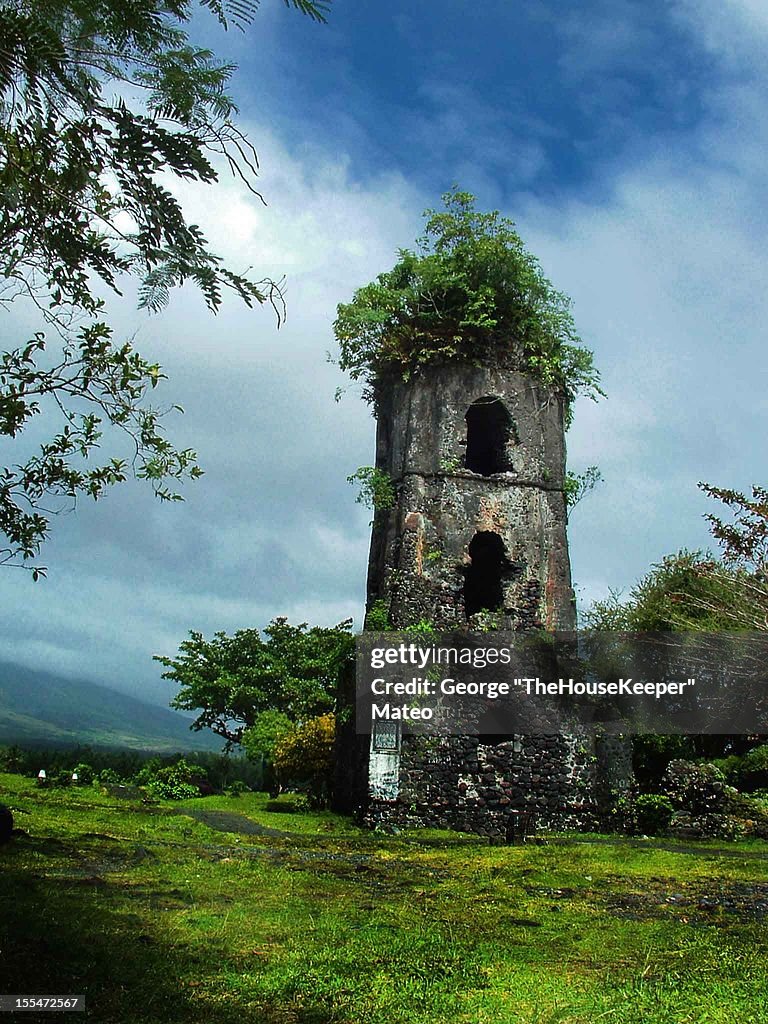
(420, 548)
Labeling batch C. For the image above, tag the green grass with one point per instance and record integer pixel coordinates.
(157, 917)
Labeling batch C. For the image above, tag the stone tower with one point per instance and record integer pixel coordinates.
(477, 533)
(476, 538)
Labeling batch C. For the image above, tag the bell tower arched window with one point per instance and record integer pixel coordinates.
(489, 432)
(485, 575)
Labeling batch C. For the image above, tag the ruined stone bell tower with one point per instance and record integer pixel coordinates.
(477, 533)
(476, 539)
(471, 359)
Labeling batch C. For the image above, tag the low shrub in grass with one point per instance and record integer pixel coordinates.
(653, 813)
(179, 781)
(236, 788)
(84, 772)
(293, 803)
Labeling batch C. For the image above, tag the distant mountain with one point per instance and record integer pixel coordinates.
(41, 709)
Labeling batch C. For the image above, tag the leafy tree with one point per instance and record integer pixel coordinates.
(85, 204)
(744, 545)
(682, 592)
(744, 541)
(260, 739)
(232, 680)
(304, 758)
(269, 728)
(696, 591)
(471, 292)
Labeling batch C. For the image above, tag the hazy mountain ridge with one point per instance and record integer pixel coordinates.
(42, 708)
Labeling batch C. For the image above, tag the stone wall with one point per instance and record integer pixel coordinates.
(460, 782)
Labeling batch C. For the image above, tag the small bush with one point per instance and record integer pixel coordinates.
(730, 767)
(236, 788)
(297, 803)
(179, 781)
(148, 771)
(304, 758)
(653, 812)
(377, 617)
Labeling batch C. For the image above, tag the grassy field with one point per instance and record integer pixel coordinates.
(158, 916)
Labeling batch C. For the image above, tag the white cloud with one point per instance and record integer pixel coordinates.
(733, 29)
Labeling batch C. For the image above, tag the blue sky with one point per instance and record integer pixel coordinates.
(526, 95)
(626, 140)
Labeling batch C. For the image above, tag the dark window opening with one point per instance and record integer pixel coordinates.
(485, 576)
(489, 430)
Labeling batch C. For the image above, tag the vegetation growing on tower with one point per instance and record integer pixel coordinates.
(471, 292)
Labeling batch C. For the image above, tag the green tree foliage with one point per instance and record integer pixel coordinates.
(748, 771)
(696, 591)
(261, 738)
(470, 292)
(84, 773)
(745, 540)
(84, 204)
(127, 765)
(744, 546)
(232, 680)
(682, 592)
